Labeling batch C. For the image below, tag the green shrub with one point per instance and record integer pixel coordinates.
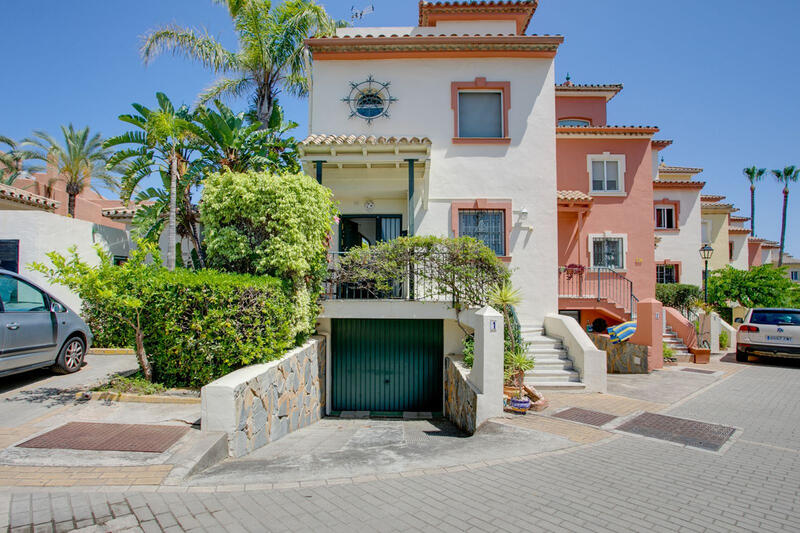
(195, 325)
(135, 384)
(723, 340)
(678, 295)
(668, 353)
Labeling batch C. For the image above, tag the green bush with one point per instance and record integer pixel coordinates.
(723, 340)
(195, 326)
(678, 295)
(668, 353)
(271, 224)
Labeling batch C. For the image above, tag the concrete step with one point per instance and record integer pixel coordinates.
(563, 386)
(544, 352)
(553, 364)
(552, 375)
(540, 341)
(531, 330)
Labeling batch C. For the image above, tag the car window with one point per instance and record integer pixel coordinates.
(776, 318)
(18, 296)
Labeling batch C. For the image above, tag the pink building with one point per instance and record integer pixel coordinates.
(605, 207)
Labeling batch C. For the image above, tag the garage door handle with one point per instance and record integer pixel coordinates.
(386, 381)
(12, 326)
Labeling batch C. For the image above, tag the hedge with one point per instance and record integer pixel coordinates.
(678, 295)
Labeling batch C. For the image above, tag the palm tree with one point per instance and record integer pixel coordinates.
(12, 162)
(785, 176)
(753, 174)
(80, 160)
(234, 142)
(270, 57)
(161, 145)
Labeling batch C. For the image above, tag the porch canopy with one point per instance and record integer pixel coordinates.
(370, 166)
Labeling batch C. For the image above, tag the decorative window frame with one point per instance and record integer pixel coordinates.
(608, 235)
(481, 85)
(585, 119)
(676, 213)
(485, 204)
(607, 156)
(678, 267)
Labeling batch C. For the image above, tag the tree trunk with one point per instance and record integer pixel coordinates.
(752, 210)
(264, 111)
(144, 363)
(196, 239)
(71, 205)
(783, 224)
(171, 227)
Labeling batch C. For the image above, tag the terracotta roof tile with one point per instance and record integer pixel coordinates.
(739, 231)
(21, 196)
(119, 212)
(428, 11)
(361, 139)
(739, 219)
(678, 184)
(607, 130)
(574, 196)
(668, 169)
(660, 144)
(712, 197)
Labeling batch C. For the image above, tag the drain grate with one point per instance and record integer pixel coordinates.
(108, 437)
(698, 371)
(680, 430)
(585, 416)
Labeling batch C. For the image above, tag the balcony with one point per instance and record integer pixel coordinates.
(600, 284)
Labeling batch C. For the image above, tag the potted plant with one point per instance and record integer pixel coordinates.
(517, 363)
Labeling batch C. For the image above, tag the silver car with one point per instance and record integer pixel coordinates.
(36, 330)
(771, 332)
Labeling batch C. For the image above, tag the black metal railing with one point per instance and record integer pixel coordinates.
(599, 283)
(425, 278)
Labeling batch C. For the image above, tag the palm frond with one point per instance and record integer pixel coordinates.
(226, 87)
(190, 44)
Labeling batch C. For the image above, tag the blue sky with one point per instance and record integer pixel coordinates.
(718, 77)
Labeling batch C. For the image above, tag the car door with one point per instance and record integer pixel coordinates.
(29, 328)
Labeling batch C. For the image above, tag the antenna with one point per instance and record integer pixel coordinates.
(356, 14)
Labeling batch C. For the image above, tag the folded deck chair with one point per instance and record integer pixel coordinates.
(621, 332)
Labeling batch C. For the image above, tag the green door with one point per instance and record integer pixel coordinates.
(386, 365)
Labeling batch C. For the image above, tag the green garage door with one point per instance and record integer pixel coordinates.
(386, 365)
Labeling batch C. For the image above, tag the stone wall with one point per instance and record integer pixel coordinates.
(461, 398)
(622, 358)
(262, 403)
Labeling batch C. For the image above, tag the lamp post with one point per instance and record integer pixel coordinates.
(706, 252)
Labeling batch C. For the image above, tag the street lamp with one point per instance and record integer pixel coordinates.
(706, 252)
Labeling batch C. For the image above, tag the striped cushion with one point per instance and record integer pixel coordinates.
(622, 332)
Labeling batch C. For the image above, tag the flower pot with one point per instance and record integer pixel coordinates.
(519, 405)
(510, 392)
(701, 356)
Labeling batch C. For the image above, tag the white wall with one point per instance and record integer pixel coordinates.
(740, 252)
(683, 245)
(39, 232)
(523, 171)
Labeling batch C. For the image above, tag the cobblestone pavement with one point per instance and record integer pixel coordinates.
(625, 483)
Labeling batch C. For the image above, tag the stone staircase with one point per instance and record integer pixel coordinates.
(672, 340)
(553, 370)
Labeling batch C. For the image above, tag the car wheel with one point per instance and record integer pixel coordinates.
(741, 357)
(70, 358)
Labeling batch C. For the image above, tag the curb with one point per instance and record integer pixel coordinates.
(111, 351)
(135, 398)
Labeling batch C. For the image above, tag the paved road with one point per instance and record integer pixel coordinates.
(625, 484)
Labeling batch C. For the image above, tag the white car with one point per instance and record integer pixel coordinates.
(770, 332)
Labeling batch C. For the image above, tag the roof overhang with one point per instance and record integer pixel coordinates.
(713, 198)
(739, 231)
(519, 11)
(433, 46)
(606, 132)
(678, 184)
(660, 144)
(666, 169)
(598, 91)
(23, 197)
(121, 214)
(363, 150)
(717, 208)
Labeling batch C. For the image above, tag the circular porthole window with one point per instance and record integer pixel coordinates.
(369, 99)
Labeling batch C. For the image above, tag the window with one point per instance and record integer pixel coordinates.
(9, 255)
(665, 217)
(606, 173)
(485, 225)
(480, 114)
(608, 252)
(706, 232)
(666, 274)
(795, 275)
(730, 251)
(17, 296)
(574, 122)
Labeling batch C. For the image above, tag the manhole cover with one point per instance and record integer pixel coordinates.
(585, 416)
(108, 437)
(698, 371)
(680, 430)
